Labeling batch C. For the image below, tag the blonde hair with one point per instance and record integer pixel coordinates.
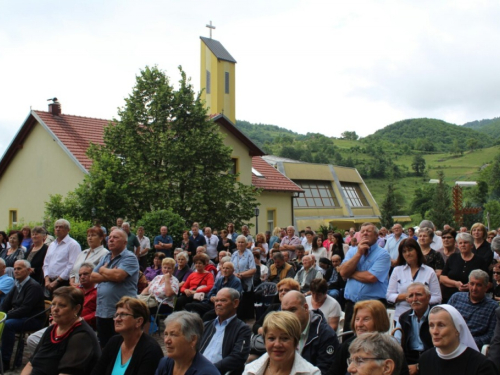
(285, 322)
(168, 261)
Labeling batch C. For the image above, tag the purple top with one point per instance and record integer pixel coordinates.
(151, 273)
(183, 274)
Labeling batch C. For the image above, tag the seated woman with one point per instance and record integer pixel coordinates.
(183, 333)
(282, 332)
(200, 281)
(368, 316)
(375, 353)
(182, 270)
(69, 346)
(164, 287)
(411, 268)
(155, 269)
(132, 351)
(15, 251)
(320, 300)
(456, 351)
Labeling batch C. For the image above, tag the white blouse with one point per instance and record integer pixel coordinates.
(400, 279)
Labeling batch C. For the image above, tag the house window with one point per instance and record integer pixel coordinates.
(226, 82)
(354, 194)
(208, 83)
(234, 167)
(316, 194)
(271, 220)
(12, 218)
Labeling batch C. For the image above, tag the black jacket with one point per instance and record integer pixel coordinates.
(25, 304)
(321, 344)
(425, 336)
(235, 346)
(145, 359)
(494, 351)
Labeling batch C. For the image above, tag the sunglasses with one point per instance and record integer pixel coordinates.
(496, 273)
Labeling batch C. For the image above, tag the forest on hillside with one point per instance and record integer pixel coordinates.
(401, 158)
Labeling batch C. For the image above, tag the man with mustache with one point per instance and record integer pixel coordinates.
(415, 321)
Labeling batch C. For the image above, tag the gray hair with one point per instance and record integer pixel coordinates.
(233, 293)
(379, 345)
(427, 224)
(125, 223)
(465, 237)
(2, 262)
(480, 275)
(495, 244)
(88, 265)
(25, 262)
(429, 231)
(191, 325)
(226, 259)
(370, 224)
(184, 254)
(241, 237)
(63, 222)
(418, 283)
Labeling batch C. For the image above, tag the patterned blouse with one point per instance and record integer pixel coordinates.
(434, 260)
(158, 290)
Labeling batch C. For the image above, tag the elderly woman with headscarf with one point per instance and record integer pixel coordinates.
(455, 350)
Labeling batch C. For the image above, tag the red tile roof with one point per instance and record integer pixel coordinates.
(76, 133)
(273, 180)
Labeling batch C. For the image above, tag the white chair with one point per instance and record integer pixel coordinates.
(390, 314)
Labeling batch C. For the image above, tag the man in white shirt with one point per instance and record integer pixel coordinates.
(212, 242)
(60, 258)
(144, 249)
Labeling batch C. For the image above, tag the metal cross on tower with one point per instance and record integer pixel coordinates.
(210, 27)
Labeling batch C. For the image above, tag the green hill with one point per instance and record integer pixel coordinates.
(488, 126)
(431, 135)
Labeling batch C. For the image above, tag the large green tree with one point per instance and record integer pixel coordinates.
(441, 212)
(418, 164)
(389, 207)
(163, 152)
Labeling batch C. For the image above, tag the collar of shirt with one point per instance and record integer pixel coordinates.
(64, 240)
(224, 323)
(423, 316)
(20, 285)
(304, 334)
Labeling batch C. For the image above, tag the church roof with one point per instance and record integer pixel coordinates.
(265, 176)
(218, 49)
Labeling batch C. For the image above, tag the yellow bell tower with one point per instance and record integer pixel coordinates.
(217, 77)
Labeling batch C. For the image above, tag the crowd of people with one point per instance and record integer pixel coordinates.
(372, 301)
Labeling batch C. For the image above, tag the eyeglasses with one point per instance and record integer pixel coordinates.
(496, 273)
(122, 316)
(359, 361)
(447, 237)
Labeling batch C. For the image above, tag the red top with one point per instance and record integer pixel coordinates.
(197, 279)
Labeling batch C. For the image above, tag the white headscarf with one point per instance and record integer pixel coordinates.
(465, 337)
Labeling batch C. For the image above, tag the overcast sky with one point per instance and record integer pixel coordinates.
(309, 66)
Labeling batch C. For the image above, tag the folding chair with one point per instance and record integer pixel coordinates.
(3, 318)
(18, 359)
(267, 291)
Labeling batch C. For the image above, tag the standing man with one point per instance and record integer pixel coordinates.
(119, 222)
(196, 237)
(116, 275)
(366, 268)
(164, 243)
(212, 242)
(290, 241)
(246, 232)
(142, 253)
(60, 258)
(133, 244)
(392, 244)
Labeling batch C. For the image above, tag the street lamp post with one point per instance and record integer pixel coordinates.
(256, 212)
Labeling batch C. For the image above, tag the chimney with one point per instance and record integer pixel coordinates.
(55, 107)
